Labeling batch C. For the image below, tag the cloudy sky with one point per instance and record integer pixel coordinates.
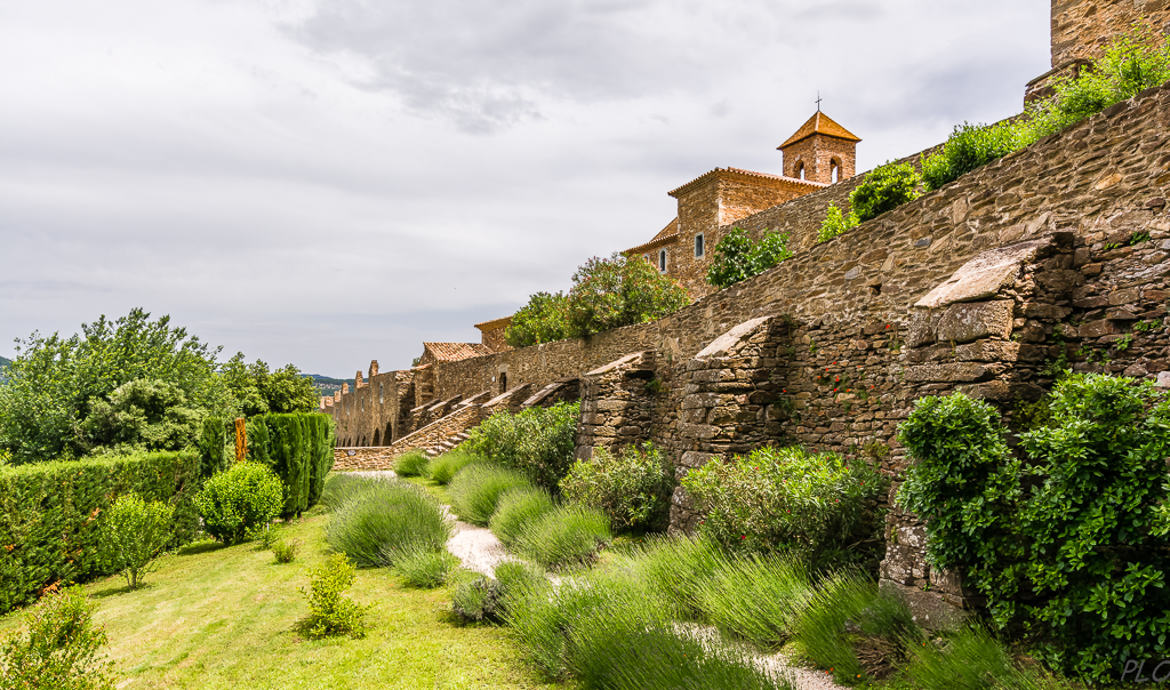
(327, 182)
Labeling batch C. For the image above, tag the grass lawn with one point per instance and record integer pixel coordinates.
(215, 617)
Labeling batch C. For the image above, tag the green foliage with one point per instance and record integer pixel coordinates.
(412, 463)
(238, 500)
(214, 454)
(885, 188)
(443, 468)
(141, 414)
(385, 519)
(477, 488)
(544, 319)
(565, 536)
(815, 505)
(58, 650)
(515, 580)
(516, 509)
(299, 449)
(133, 533)
(835, 223)
(755, 598)
(256, 390)
(738, 257)
(1071, 549)
(55, 382)
(285, 551)
(425, 569)
(620, 291)
(970, 147)
(677, 568)
(341, 486)
(539, 441)
(478, 600)
(970, 659)
(331, 613)
(48, 527)
(633, 487)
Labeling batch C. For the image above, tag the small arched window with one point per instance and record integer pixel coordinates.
(381, 394)
(662, 261)
(835, 170)
(799, 170)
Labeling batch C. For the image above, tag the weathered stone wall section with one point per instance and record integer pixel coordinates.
(617, 403)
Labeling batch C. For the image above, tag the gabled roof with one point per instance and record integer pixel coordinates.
(453, 352)
(730, 172)
(666, 235)
(494, 324)
(820, 123)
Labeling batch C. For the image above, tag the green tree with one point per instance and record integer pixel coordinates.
(141, 414)
(256, 390)
(738, 257)
(133, 534)
(619, 291)
(544, 319)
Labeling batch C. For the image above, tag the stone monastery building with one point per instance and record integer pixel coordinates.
(1057, 252)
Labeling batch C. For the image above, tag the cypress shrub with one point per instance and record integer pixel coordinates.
(212, 444)
(298, 447)
(48, 530)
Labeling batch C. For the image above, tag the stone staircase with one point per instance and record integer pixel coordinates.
(447, 444)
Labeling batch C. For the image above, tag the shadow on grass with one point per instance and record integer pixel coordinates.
(199, 547)
(114, 590)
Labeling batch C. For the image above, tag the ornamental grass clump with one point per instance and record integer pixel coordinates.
(970, 658)
(341, 486)
(567, 536)
(756, 598)
(677, 568)
(386, 519)
(239, 500)
(477, 489)
(423, 568)
(443, 468)
(412, 463)
(632, 487)
(134, 533)
(517, 509)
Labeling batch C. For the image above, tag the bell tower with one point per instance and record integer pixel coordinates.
(820, 151)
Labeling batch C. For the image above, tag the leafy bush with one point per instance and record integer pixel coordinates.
(258, 391)
(58, 650)
(565, 536)
(543, 320)
(144, 413)
(677, 569)
(737, 257)
(134, 533)
(385, 519)
(620, 291)
(478, 600)
(516, 509)
(285, 551)
(477, 489)
(970, 147)
(412, 463)
(883, 189)
(425, 569)
(238, 500)
(299, 449)
(633, 487)
(45, 511)
(330, 611)
(443, 468)
(853, 630)
(836, 223)
(815, 505)
(539, 441)
(756, 598)
(1071, 549)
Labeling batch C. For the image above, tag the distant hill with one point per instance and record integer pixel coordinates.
(326, 385)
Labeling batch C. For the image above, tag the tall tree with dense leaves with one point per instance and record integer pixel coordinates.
(619, 291)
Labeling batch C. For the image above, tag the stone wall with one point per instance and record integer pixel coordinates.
(1082, 28)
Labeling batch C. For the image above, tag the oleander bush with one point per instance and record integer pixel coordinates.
(566, 536)
(620, 291)
(425, 568)
(58, 649)
(1068, 543)
(817, 506)
(543, 320)
(412, 463)
(539, 441)
(239, 500)
(385, 520)
(298, 447)
(477, 489)
(46, 509)
(134, 533)
(443, 468)
(632, 487)
(331, 613)
(738, 257)
(516, 509)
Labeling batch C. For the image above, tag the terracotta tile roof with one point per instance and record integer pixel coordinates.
(745, 173)
(492, 325)
(820, 123)
(453, 352)
(666, 235)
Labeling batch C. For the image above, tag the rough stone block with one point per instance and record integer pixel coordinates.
(967, 321)
(956, 372)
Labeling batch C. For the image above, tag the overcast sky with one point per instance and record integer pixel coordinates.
(329, 182)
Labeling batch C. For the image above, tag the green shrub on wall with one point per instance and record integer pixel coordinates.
(538, 441)
(884, 189)
(738, 257)
(544, 319)
(1072, 548)
(49, 515)
(299, 448)
(631, 486)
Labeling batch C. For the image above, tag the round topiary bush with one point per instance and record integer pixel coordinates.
(239, 499)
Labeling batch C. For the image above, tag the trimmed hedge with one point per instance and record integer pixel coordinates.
(298, 447)
(49, 530)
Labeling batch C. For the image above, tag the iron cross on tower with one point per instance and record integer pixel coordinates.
(818, 101)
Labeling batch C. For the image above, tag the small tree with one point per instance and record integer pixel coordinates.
(544, 319)
(58, 649)
(330, 611)
(738, 257)
(133, 534)
(885, 188)
(619, 291)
